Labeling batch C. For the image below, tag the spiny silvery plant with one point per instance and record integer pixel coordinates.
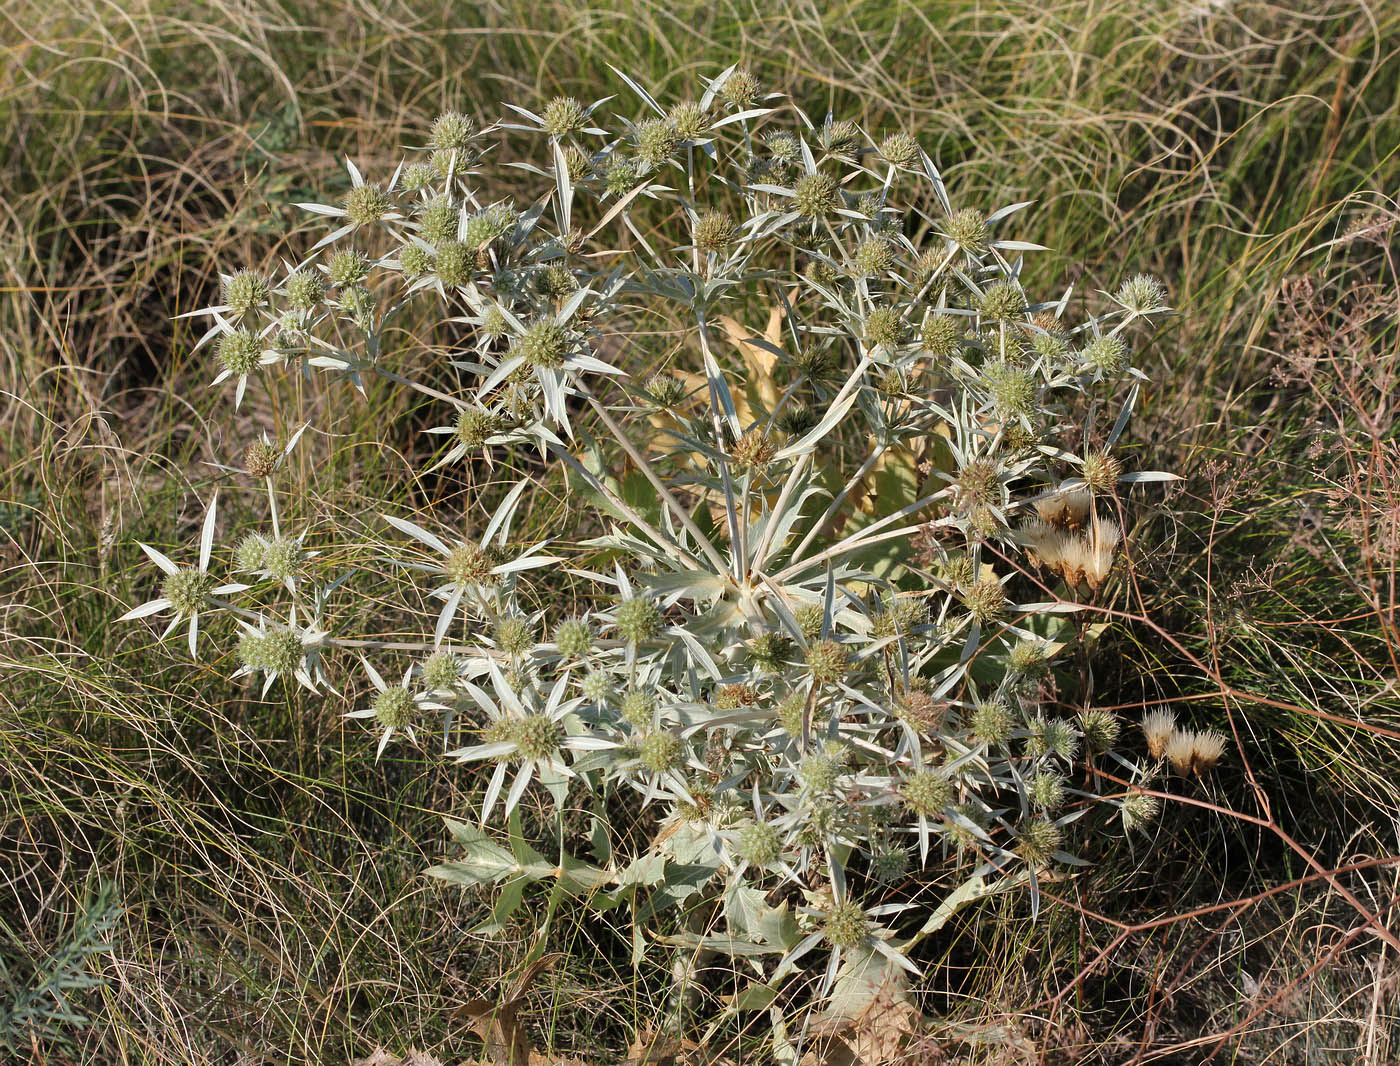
(823, 715)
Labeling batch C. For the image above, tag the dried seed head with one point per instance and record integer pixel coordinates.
(366, 204)
(1038, 840)
(732, 697)
(452, 129)
(661, 752)
(760, 844)
(638, 619)
(1181, 750)
(1068, 508)
(240, 352)
(1206, 750)
(1157, 727)
(941, 336)
(827, 661)
(923, 713)
(261, 459)
(564, 115)
(752, 451)
(816, 196)
(395, 707)
(714, 231)
(968, 230)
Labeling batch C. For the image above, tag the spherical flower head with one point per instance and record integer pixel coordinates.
(714, 231)
(564, 115)
(493, 323)
(665, 391)
(438, 221)
(732, 697)
(638, 708)
(1100, 730)
(366, 204)
(1142, 294)
(819, 771)
(447, 161)
(578, 162)
(900, 149)
(621, 176)
(662, 752)
(475, 427)
(543, 344)
(358, 302)
(873, 258)
(416, 177)
(795, 419)
(1053, 350)
(689, 119)
(281, 652)
(968, 230)
(828, 662)
(657, 141)
(415, 260)
(941, 336)
(769, 651)
(957, 571)
(846, 926)
(991, 723)
(884, 327)
(978, 484)
(514, 636)
(1012, 389)
(240, 352)
(752, 451)
(839, 137)
(926, 792)
(347, 267)
(536, 736)
(596, 686)
(1028, 658)
(820, 272)
(809, 620)
(1101, 471)
(452, 129)
(1052, 736)
(1108, 355)
(281, 558)
(248, 555)
(783, 148)
(574, 638)
(1002, 302)
(986, 600)
(395, 707)
(638, 619)
(1139, 810)
(469, 565)
(760, 844)
(1047, 790)
(245, 291)
(441, 670)
(816, 196)
(556, 281)
(303, 290)
(1157, 727)
(791, 710)
(740, 90)
(920, 710)
(1038, 840)
(261, 459)
(888, 863)
(454, 263)
(187, 589)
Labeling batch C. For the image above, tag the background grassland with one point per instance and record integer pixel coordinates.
(268, 868)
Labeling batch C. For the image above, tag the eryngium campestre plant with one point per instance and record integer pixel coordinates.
(820, 685)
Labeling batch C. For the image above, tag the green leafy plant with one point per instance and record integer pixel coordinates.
(831, 566)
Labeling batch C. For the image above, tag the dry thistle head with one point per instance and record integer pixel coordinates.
(1157, 727)
(1067, 508)
(1206, 750)
(1181, 750)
